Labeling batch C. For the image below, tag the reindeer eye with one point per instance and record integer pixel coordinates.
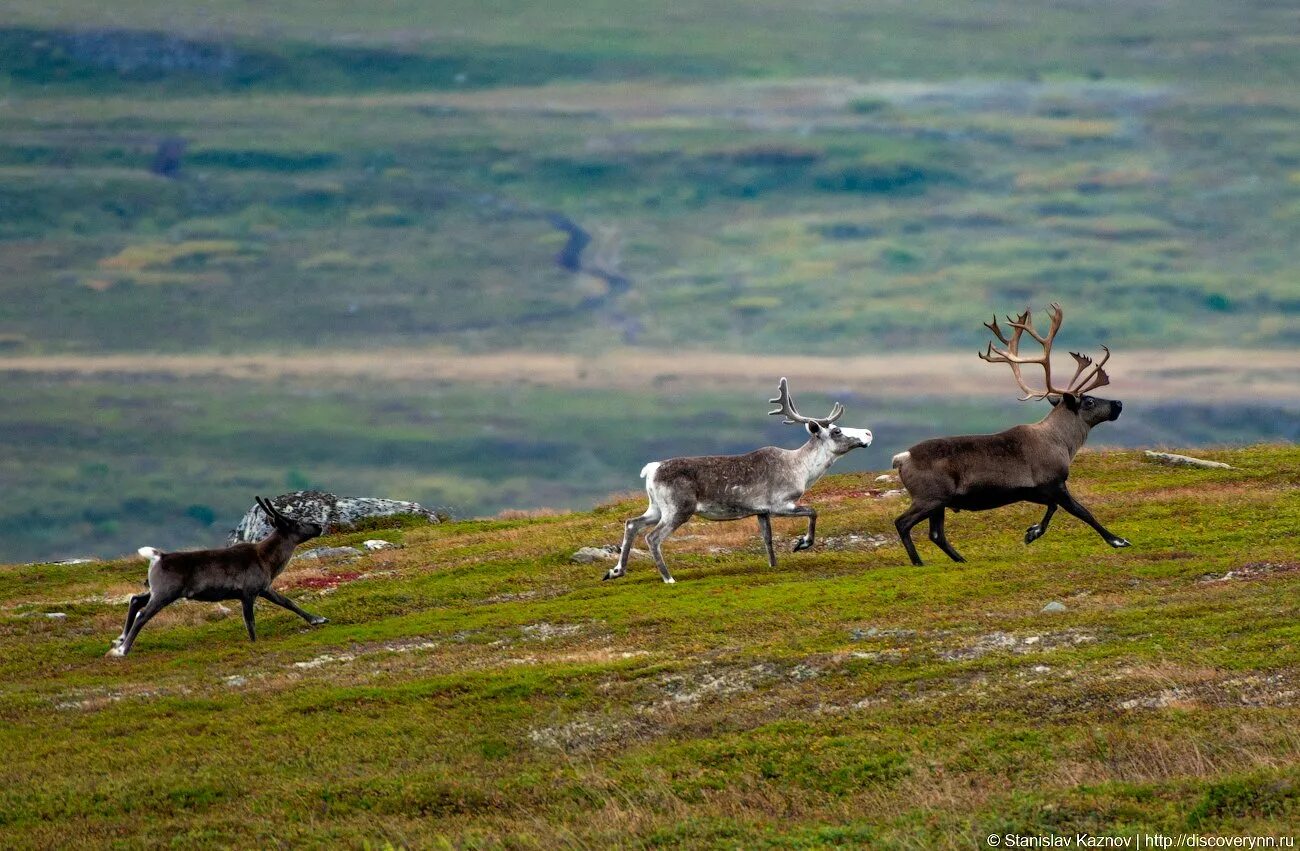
(836, 431)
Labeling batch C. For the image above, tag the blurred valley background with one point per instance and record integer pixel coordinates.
(493, 255)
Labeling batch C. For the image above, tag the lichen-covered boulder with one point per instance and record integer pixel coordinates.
(1174, 460)
(328, 553)
(332, 511)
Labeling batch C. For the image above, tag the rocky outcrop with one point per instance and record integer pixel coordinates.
(1174, 460)
(333, 511)
(328, 553)
(609, 552)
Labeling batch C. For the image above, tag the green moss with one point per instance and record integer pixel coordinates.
(479, 688)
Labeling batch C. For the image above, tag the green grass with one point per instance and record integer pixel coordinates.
(478, 689)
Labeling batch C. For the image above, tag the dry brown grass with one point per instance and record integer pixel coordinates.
(1221, 375)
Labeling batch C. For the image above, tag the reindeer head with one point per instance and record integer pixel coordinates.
(1090, 409)
(295, 530)
(839, 440)
(1087, 374)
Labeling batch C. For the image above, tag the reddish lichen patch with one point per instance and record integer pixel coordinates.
(327, 581)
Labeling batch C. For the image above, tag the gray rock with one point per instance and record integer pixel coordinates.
(1053, 607)
(328, 552)
(1174, 460)
(63, 561)
(58, 616)
(587, 555)
(333, 511)
(609, 552)
(376, 544)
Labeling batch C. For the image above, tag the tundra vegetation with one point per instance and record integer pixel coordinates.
(762, 179)
(477, 688)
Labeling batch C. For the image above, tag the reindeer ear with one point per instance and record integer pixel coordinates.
(814, 428)
(1071, 401)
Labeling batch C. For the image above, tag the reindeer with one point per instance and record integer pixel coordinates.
(1026, 463)
(765, 483)
(243, 572)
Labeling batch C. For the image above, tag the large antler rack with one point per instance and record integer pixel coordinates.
(792, 415)
(1087, 376)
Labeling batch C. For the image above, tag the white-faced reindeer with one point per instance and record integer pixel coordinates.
(243, 572)
(765, 483)
(1026, 463)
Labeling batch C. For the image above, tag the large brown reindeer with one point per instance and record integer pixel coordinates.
(1026, 463)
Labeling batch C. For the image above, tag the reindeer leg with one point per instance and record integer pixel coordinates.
(631, 529)
(904, 524)
(285, 603)
(248, 617)
(936, 535)
(1070, 504)
(1039, 529)
(138, 602)
(156, 604)
(667, 525)
(765, 528)
(807, 539)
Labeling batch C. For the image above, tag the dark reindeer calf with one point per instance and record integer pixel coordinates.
(243, 572)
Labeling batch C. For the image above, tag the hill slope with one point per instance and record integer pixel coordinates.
(477, 686)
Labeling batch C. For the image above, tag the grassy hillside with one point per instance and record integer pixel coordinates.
(479, 689)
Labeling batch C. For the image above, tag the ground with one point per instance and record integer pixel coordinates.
(476, 688)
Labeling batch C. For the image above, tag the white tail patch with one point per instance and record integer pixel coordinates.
(900, 458)
(648, 471)
(151, 554)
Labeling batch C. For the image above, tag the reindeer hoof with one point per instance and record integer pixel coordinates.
(801, 544)
(1119, 543)
(609, 574)
(318, 620)
(1033, 533)
(115, 652)
(670, 581)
